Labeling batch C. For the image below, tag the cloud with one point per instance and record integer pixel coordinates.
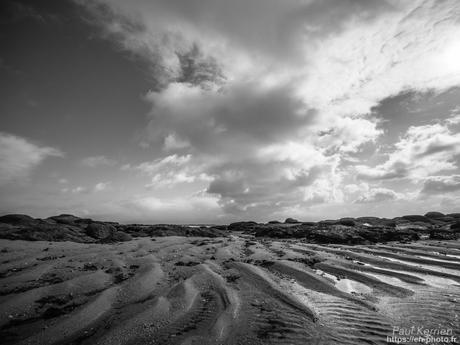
(377, 195)
(170, 171)
(197, 207)
(98, 161)
(18, 157)
(173, 142)
(79, 190)
(423, 151)
(454, 119)
(441, 184)
(270, 103)
(99, 187)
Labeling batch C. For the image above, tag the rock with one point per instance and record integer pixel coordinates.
(387, 222)
(347, 221)
(160, 230)
(416, 218)
(446, 219)
(186, 263)
(434, 215)
(439, 234)
(417, 226)
(242, 226)
(89, 267)
(328, 222)
(100, 231)
(17, 219)
(266, 230)
(220, 227)
(453, 215)
(291, 221)
(43, 230)
(120, 236)
(65, 219)
(455, 226)
(369, 220)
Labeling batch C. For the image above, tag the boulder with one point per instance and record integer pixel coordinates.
(456, 226)
(65, 219)
(291, 221)
(416, 218)
(120, 236)
(434, 215)
(347, 221)
(100, 231)
(446, 219)
(17, 219)
(387, 222)
(266, 230)
(242, 226)
(69, 219)
(368, 220)
(328, 222)
(44, 230)
(416, 226)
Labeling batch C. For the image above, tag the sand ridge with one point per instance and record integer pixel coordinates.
(238, 289)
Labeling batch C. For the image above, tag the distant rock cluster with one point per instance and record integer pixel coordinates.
(66, 227)
(433, 225)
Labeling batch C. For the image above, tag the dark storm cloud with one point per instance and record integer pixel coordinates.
(241, 117)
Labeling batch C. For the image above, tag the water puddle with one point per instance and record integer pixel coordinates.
(346, 285)
(351, 286)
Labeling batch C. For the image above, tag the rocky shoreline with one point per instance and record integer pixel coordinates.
(362, 230)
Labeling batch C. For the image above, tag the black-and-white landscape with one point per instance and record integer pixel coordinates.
(230, 172)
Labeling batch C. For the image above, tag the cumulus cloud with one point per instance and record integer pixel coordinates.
(378, 195)
(441, 184)
(269, 102)
(18, 157)
(171, 170)
(423, 151)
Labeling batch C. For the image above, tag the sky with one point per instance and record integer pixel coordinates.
(212, 111)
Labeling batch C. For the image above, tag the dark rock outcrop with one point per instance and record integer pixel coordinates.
(434, 215)
(242, 226)
(291, 221)
(65, 227)
(17, 219)
(160, 230)
(347, 221)
(43, 230)
(416, 218)
(337, 233)
(100, 231)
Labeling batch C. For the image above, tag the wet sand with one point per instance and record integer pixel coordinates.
(230, 290)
